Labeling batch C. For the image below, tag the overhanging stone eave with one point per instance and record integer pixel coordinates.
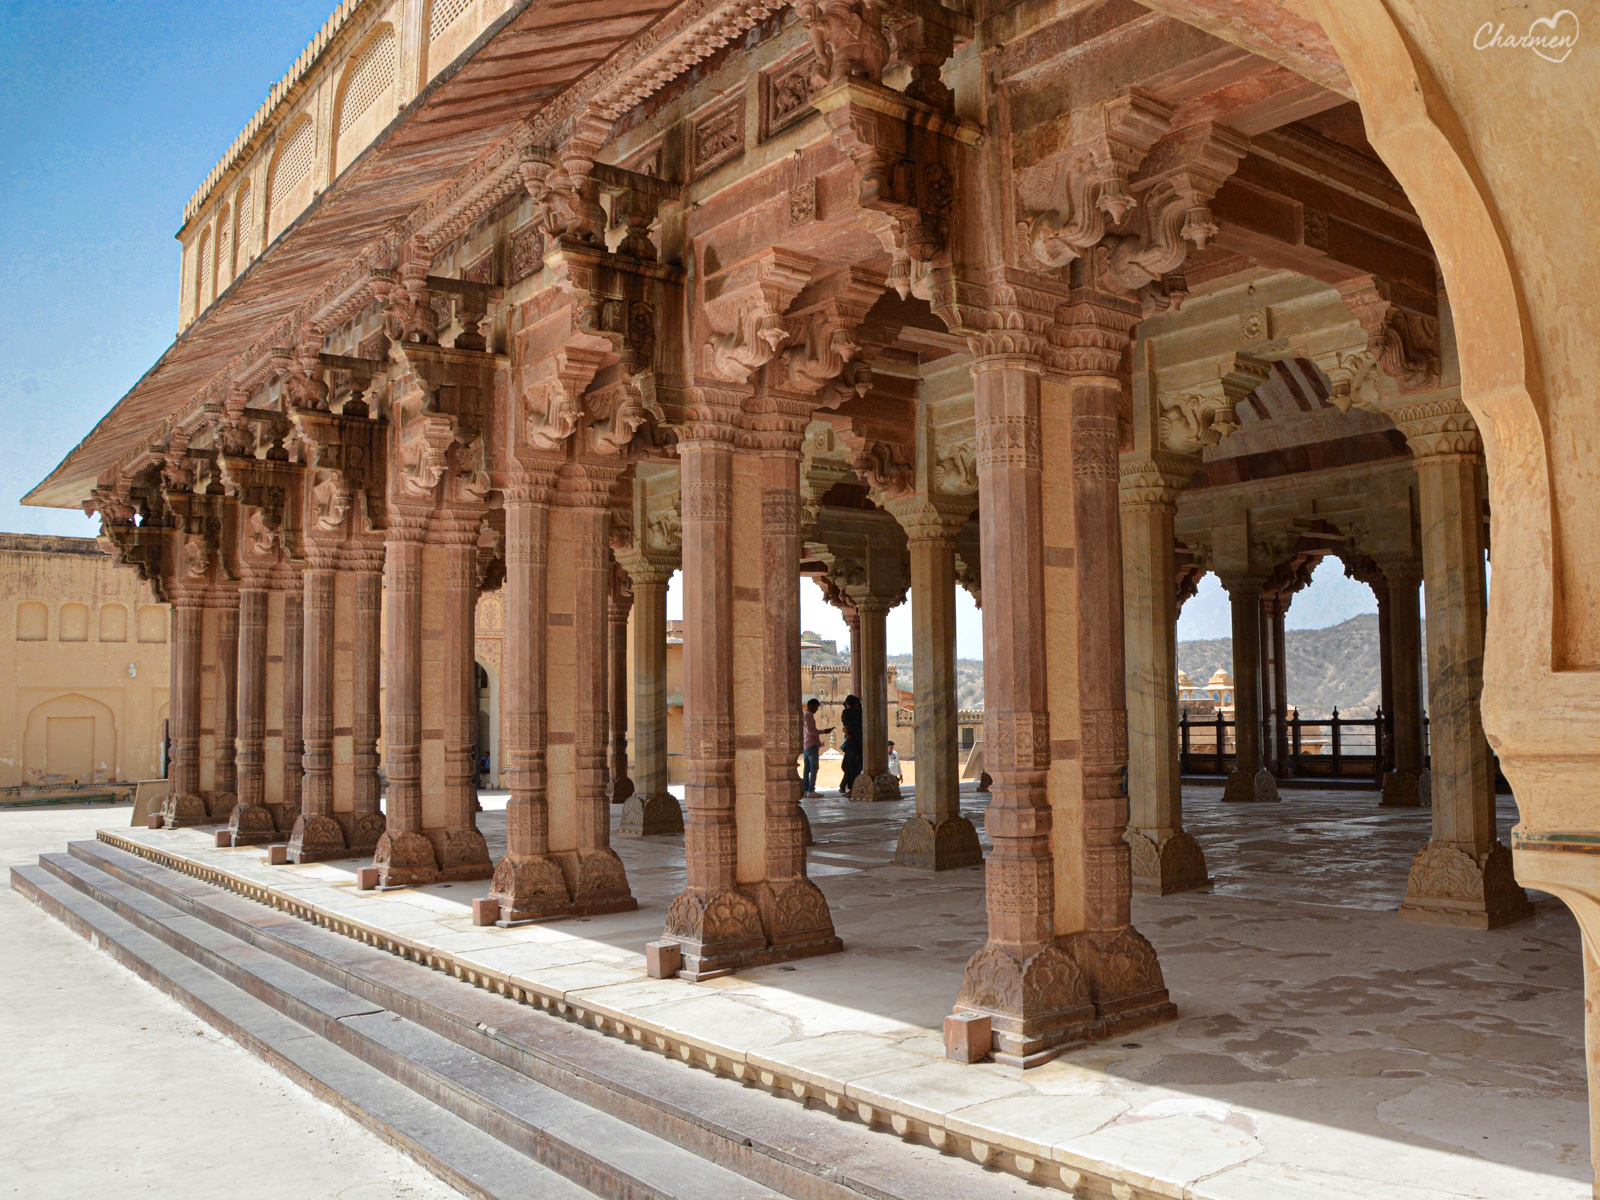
(422, 165)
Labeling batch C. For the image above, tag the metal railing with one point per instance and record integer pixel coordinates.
(1334, 748)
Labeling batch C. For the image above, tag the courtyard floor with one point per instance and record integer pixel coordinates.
(1324, 1047)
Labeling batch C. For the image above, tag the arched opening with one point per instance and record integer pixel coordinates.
(70, 739)
(289, 179)
(113, 623)
(74, 622)
(33, 621)
(152, 623)
(366, 96)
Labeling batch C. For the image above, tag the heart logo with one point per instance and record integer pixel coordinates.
(1542, 44)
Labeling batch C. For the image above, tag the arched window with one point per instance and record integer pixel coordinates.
(224, 272)
(33, 621)
(74, 623)
(202, 270)
(244, 221)
(289, 181)
(366, 96)
(152, 623)
(113, 623)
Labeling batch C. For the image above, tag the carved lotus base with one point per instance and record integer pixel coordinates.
(597, 881)
(621, 789)
(795, 919)
(251, 825)
(405, 860)
(221, 804)
(1451, 886)
(1124, 978)
(659, 815)
(1402, 789)
(1176, 865)
(1036, 997)
(875, 787)
(719, 931)
(284, 816)
(926, 846)
(529, 888)
(317, 839)
(365, 831)
(462, 854)
(1245, 788)
(189, 808)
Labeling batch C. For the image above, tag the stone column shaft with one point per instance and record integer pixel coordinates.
(1402, 786)
(528, 883)
(225, 793)
(1165, 858)
(317, 835)
(852, 623)
(869, 652)
(459, 847)
(1278, 711)
(250, 821)
(1249, 781)
(404, 856)
(293, 746)
(366, 819)
(184, 805)
(652, 809)
(621, 603)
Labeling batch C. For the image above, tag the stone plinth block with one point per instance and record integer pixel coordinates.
(876, 787)
(251, 825)
(1401, 789)
(796, 919)
(720, 931)
(1449, 885)
(529, 887)
(317, 839)
(1259, 788)
(156, 821)
(968, 1037)
(663, 960)
(1176, 864)
(278, 856)
(223, 839)
(598, 881)
(657, 815)
(1124, 979)
(926, 846)
(485, 911)
(366, 878)
(188, 808)
(405, 859)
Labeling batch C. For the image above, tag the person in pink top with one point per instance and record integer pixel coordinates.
(810, 745)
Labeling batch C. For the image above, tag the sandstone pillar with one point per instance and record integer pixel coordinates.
(1380, 591)
(852, 623)
(1463, 876)
(184, 805)
(1275, 682)
(528, 883)
(596, 877)
(293, 743)
(936, 837)
(403, 856)
(458, 847)
(717, 925)
(317, 835)
(1123, 975)
(366, 818)
(869, 656)
(1249, 781)
(1402, 787)
(1034, 993)
(251, 821)
(652, 809)
(619, 606)
(1165, 858)
(225, 778)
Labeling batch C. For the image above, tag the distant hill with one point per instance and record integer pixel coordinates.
(1338, 665)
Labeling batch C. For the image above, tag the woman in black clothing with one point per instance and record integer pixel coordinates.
(850, 718)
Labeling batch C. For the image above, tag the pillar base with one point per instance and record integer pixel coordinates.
(984, 781)
(1401, 789)
(1124, 978)
(719, 931)
(284, 816)
(1451, 886)
(621, 789)
(529, 888)
(795, 919)
(805, 829)
(658, 815)
(1035, 996)
(221, 805)
(597, 880)
(876, 787)
(189, 808)
(317, 839)
(405, 860)
(1247, 788)
(926, 845)
(462, 854)
(366, 830)
(1175, 863)
(252, 825)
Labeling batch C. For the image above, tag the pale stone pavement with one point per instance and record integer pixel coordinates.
(110, 1089)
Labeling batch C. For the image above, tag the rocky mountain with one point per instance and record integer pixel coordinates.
(1325, 667)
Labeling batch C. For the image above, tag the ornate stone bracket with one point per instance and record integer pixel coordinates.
(438, 423)
(1201, 416)
(749, 302)
(1404, 344)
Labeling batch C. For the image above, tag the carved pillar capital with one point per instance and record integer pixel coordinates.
(1155, 479)
(1438, 427)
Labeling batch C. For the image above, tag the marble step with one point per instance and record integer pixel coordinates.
(469, 1159)
(789, 1148)
(600, 1154)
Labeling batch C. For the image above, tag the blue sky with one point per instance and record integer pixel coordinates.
(110, 116)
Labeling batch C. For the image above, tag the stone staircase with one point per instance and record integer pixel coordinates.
(499, 1099)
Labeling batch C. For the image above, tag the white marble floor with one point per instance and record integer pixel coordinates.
(1324, 1048)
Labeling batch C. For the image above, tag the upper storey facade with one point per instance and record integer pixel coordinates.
(370, 59)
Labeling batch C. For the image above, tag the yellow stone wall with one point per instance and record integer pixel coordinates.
(84, 660)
